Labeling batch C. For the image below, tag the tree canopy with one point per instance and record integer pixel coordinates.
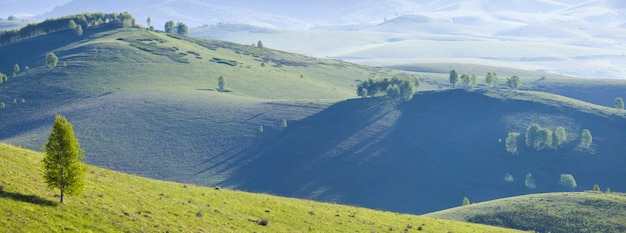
(63, 162)
(511, 142)
(619, 103)
(513, 82)
(454, 78)
(169, 27)
(51, 60)
(567, 181)
(401, 88)
(585, 139)
(491, 79)
(182, 29)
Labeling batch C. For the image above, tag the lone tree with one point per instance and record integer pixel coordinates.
(511, 142)
(568, 181)
(221, 84)
(51, 60)
(585, 139)
(454, 78)
(466, 201)
(530, 181)
(16, 68)
(63, 163)
(259, 44)
(619, 103)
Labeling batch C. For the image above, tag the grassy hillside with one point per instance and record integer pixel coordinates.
(117, 202)
(439, 147)
(146, 103)
(550, 212)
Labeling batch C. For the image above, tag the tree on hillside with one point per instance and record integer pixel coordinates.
(182, 29)
(169, 27)
(545, 137)
(514, 83)
(16, 68)
(530, 181)
(63, 162)
(221, 84)
(473, 81)
(491, 79)
(466, 201)
(3, 77)
(585, 139)
(560, 137)
(511, 142)
(284, 123)
(259, 44)
(148, 21)
(508, 177)
(78, 30)
(454, 78)
(51, 60)
(532, 136)
(465, 79)
(619, 103)
(567, 181)
(596, 188)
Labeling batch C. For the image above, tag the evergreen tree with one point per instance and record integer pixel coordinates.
(530, 181)
(16, 68)
(284, 123)
(454, 78)
(619, 103)
(596, 188)
(567, 181)
(259, 44)
(491, 79)
(466, 201)
(51, 60)
(63, 162)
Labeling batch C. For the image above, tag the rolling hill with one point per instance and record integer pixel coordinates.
(117, 202)
(147, 103)
(550, 212)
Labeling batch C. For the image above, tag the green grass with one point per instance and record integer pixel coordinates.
(551, 212)
(117, 202)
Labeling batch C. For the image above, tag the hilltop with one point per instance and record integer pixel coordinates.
(114, 202)
(551, 212)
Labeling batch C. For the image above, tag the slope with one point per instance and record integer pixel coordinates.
(146, 103)
(439, 147)
(115, 202)
(550, 212)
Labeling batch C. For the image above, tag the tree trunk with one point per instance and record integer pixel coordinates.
(62, 194)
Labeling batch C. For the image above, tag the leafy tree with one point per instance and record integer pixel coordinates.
(454, 78)
(78, 30)
(465, 78)
(182, 29)
(284, 123)
(148, 21)
(259, 44)
(585, 139)
(221, 84)
(560, 136)
(169, 26)
(513, 82)
(532, 136)
(2, 105)
(63, 162)
(473, 81)
(72, 24)
(545, 138)
(394, 88)
(466, 201)
(511, 142)
(491, 79)
(508, 177)
(16, 68)
(567, 181)
(619, 103)
(261, 129)
(26, 68)
(530, 181)
(608, 190)
(3, 77)
(596, 188)
(407, 90)
(51, 60)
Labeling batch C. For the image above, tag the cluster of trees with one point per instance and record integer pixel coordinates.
(73, 22)
(566, 181)
(397, 88)
(619, 103)
(540, 138)
(178, 28)
(491, 80)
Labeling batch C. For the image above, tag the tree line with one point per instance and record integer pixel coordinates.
(397, 88)
(72, 22)
(541, 138)
(491, 80)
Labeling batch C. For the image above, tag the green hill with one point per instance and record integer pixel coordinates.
(117, 202)
(550, 212)
(439, 147)
(147, 103)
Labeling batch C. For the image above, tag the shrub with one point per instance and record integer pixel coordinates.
(263, 222)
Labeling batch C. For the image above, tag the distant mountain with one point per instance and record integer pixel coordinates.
(27, 8)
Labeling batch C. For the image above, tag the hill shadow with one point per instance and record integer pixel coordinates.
(33, 199)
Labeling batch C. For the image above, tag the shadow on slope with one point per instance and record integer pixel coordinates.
(427, 154)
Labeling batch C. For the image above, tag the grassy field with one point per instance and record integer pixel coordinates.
(117, 202)
(550, 212)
